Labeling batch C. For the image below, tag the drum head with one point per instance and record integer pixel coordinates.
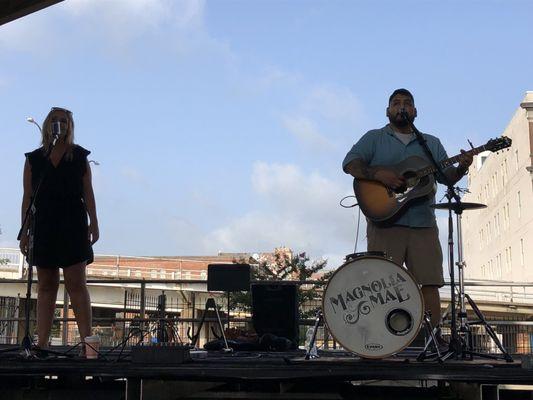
(373, 307)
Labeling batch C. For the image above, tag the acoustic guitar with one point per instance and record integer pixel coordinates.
(381, 204)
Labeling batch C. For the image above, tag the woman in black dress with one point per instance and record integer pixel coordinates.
(63, 236)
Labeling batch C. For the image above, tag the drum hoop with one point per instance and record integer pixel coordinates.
(418, 291)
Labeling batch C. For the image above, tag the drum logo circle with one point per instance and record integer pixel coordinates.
(362, 300)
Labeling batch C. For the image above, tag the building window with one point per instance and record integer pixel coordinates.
(522, 252)
(516, 159)
(519, 201)
(507, 214)
(506, 175)
(510, 260)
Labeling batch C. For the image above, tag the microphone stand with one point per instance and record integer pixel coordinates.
(455, 346)
(29, 220)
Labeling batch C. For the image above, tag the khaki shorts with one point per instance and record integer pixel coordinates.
(418, 248)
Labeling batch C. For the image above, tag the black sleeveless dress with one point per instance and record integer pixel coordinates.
(61, 228)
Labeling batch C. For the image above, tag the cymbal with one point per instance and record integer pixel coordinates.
(458, 206)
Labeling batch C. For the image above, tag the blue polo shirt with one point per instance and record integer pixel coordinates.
(382, 147)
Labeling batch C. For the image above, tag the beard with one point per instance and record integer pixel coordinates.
(399, 121)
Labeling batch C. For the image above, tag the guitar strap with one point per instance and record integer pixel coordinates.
(422, 141)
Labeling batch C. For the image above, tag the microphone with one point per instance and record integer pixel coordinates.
(56, 129)
(405, 115)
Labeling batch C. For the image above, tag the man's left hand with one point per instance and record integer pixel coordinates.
(465, 160)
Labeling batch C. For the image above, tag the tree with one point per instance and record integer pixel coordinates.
(285, 266)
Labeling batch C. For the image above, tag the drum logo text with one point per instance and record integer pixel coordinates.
(362, 300)
(373, 346)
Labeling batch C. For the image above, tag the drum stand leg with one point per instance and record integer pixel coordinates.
(432, 342)
(318, 321)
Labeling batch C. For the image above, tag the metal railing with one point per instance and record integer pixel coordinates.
(182, 314)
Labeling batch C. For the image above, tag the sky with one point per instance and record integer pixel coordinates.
(222, 125)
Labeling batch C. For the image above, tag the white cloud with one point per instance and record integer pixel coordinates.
(134, 16)
(304, 214)
(335, 110)
(306, 131)
(175, 25)
(336, 103)
(272, 76)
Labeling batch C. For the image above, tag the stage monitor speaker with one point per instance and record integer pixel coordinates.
(228, 277)
(275, 310)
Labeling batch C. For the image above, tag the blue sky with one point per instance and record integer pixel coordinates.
(221, 126)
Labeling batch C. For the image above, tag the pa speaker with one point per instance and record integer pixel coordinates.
(275, 310)
(228, 277)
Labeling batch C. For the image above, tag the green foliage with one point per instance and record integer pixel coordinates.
(284, 267)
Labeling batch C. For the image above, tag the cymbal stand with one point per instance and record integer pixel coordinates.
(464, 328)
(432, 341)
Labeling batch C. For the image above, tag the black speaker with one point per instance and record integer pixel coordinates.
(228, 277)
(275, 310)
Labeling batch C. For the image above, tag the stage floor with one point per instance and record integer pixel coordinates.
(270, 366)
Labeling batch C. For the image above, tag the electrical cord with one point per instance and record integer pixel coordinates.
(358, 224)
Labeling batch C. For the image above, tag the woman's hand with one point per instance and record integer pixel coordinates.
(23, 245)
(94, 233)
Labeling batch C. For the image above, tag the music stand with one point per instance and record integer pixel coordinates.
(225, 278)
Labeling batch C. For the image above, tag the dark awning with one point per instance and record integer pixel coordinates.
(10, 10)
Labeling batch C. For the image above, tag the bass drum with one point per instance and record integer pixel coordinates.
(372, 306)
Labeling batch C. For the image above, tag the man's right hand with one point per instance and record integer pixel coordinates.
(389, 178)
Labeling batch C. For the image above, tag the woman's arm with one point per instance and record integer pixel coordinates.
(26, 201)
(90, 203)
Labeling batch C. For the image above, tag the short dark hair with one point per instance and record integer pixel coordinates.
(403, 91)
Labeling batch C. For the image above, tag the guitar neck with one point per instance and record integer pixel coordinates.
(449, 161)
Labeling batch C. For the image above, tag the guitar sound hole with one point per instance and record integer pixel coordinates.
(400, 189)
(411, 179)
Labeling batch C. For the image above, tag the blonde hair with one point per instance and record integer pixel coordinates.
(47, 137)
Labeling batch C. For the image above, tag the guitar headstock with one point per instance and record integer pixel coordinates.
(497, 144)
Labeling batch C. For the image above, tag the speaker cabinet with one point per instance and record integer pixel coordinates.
(275, 310)
(228, 277)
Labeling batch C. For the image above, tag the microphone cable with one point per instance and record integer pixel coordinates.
(358, 223)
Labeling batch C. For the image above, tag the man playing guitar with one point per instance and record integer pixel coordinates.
(410, 236)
